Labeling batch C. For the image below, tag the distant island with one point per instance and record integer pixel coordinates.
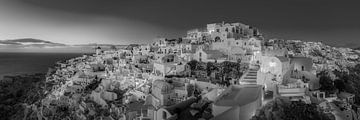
(28, 42)
(42, 46)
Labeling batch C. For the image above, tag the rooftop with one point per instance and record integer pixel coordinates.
(239, 95)
(282, 58)
(345, 95)
(214, 54)
(181, 106)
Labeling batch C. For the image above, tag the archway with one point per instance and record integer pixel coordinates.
(217, 39)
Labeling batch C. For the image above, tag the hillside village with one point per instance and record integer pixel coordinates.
(224, 71)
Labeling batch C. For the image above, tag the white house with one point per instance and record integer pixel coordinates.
(233, 105)
(209, 55)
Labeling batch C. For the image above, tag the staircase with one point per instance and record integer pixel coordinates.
(250, 76)
(172, 71)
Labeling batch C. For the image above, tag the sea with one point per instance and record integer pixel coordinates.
(30, 63)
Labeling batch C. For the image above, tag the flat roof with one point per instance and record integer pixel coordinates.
(239, 95)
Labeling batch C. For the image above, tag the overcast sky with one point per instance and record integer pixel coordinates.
(140, 21)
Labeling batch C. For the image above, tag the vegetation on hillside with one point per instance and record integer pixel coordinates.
(283, 109)
(23, 90)
(225, 71)
(349, 81)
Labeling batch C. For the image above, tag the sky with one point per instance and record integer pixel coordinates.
(141, 21)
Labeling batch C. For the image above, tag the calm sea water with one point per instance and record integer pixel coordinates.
(28, 63)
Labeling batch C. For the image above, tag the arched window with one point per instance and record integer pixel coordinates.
(217, 39)
(302, 68)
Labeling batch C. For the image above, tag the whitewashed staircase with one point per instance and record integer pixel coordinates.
(250, 76)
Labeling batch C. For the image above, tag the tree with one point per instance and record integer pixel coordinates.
(200, 66)
(326, 83)
(190, 89)
(227, 69)
(238, 70)
(193, 64)
(340, 85)
(352, 82)
(284, 110)
(210, 67)
(356, 69)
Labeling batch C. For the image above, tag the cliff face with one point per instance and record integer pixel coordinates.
(19, 93)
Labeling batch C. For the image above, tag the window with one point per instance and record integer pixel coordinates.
(302, 68)
(200, 54)
(217, 38)
(227, 30)
(164, 115)
(237, 43)
(217, 30)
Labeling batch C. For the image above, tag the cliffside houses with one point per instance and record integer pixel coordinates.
(154, 81)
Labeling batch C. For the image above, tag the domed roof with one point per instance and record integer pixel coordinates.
(164, 86)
